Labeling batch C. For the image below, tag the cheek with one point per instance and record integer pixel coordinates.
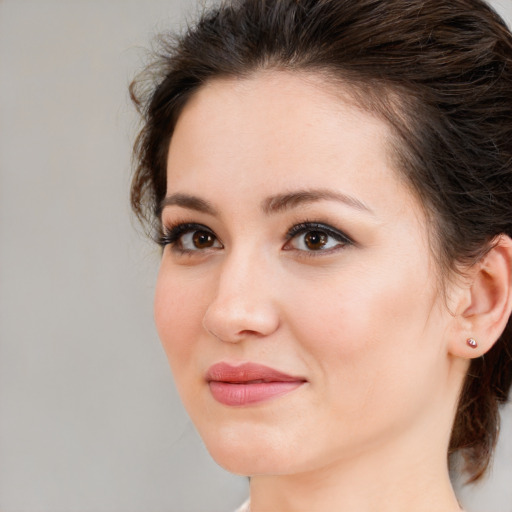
(178, 314)
(368, 331)
(350, 313)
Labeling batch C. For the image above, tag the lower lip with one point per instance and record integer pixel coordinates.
(246, 394)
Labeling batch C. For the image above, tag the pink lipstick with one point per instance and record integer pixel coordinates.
(249, 383)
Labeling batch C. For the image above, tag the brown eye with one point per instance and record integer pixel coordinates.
(203, 239)
(189, 238)
(313, 237)
(315, 240)
(197, 240)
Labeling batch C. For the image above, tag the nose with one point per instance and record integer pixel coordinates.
(243, 305)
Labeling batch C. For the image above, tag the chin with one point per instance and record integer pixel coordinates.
(248, 462)
(246, 452)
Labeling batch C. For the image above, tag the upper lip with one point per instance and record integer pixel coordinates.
(247, 373)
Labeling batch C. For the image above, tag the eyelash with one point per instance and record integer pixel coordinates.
(172, 234)
(313, 226)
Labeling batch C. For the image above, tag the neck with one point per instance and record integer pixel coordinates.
(386, 480)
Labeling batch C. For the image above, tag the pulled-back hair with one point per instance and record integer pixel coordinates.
(438, 71)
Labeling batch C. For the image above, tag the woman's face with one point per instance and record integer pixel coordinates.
(293, 244)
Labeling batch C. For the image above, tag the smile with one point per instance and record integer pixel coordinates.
(249, 383)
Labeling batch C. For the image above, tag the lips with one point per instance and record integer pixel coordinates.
(248, 383)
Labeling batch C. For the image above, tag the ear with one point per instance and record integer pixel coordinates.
(485, 304)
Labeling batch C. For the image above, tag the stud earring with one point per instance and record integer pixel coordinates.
(472, 342)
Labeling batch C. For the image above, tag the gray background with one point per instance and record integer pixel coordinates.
(89, 418)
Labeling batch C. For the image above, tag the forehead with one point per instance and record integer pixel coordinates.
(280, 130)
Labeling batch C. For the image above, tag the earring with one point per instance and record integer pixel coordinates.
(472, 342)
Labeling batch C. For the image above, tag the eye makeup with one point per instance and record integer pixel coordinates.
(200, 236)
(318, 227)
(311, 238)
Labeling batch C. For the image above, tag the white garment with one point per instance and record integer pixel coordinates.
(245, 507)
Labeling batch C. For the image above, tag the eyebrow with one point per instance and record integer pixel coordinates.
(189, 202)
(281, 202)
(270, 205)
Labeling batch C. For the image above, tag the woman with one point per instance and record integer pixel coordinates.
(331, 183)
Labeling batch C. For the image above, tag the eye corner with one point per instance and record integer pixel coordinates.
(324, 246)
(186, 238)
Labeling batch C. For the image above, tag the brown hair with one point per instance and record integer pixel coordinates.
(439, 71)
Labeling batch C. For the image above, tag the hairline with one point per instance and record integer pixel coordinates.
(382, 99)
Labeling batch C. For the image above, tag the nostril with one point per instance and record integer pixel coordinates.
(248, 332)
(233, 326)
(236, 314)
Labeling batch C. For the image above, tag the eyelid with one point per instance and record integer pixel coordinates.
(172, 233)
(308, 226)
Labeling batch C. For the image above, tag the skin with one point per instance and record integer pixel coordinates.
(364, 322)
